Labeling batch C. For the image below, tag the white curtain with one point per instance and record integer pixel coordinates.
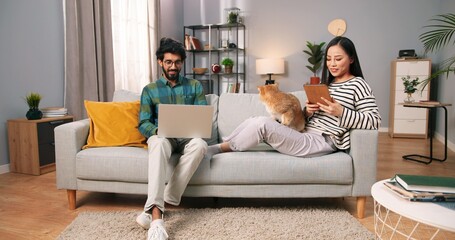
(135, 39)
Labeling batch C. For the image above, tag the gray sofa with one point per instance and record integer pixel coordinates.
(258, 173)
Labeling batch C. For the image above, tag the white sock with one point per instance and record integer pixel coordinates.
(158, 221)
(212, 150)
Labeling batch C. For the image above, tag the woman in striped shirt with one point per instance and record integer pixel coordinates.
(327, 130)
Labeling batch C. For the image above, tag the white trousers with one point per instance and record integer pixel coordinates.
(159, 153)
(283, 139)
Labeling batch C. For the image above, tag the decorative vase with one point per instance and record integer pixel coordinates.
(409, 98)
(228, 69)
(216, 68)
(34, 114)
(315, 80)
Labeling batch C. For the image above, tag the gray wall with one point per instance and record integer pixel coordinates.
(31, 43)
(31, 59)
(378, 28)
(446, 86)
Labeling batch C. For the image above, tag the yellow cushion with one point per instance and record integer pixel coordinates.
(113, 124)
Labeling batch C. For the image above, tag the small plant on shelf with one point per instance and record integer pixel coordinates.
(410, 86)
(315, 52)
(228, 63)
(33, 100)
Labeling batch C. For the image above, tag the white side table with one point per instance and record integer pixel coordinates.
(398, 218)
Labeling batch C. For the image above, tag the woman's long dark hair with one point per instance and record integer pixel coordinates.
(349, 48)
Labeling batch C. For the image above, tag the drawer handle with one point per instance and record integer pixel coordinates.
(56, 122)
(411, 120)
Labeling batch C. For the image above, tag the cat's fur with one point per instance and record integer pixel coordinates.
(283, 107)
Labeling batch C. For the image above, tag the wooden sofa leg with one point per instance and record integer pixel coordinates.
(361, 207)
(71, 199)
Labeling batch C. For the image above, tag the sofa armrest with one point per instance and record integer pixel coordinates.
(364, 153)
(69, 139)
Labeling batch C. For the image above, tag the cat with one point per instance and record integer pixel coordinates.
(283, 107)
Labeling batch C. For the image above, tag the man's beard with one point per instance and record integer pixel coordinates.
(174, 76)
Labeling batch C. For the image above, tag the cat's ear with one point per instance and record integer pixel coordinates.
(277, 85)
(260, 89)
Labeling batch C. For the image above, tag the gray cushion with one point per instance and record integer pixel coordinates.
(234, 108)
(269, 167)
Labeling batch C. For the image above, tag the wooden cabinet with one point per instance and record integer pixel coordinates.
(31, 144)
(408, 122)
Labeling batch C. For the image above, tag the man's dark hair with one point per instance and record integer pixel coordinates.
(169, 45)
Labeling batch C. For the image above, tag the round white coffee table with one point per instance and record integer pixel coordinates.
(395, 217)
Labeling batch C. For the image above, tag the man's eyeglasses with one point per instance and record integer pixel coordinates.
(169, 63)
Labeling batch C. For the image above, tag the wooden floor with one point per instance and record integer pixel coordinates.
(32, 208)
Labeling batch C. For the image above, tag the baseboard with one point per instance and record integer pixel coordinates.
(440, 138)
(4, 169)
(383, 129)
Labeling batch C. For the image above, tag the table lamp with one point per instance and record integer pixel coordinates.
(270, 66)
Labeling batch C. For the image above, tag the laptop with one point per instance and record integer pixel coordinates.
(185, 121)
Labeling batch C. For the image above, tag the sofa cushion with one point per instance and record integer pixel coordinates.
(113, 124)
(270, 167)
(234, 108)
(122, 164)
(127, 164)
(126, 96)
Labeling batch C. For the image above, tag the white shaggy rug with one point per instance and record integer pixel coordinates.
(224, 223)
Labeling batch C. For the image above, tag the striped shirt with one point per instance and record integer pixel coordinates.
(360, 112)
(186, 91)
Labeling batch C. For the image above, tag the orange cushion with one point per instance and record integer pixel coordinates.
(113, 124)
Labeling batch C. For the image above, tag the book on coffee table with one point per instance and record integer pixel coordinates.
(426, 183)
(417, 196)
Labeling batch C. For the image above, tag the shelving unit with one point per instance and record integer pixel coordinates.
(403, 121)
(211, 37)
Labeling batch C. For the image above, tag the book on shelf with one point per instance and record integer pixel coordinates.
(54, 112)
(417, 196)
(429, 102)
(426, 183)
(187, 42)
(195, 43)
(233, 88)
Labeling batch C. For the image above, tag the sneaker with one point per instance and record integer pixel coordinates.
(144, 219)
(157, 231)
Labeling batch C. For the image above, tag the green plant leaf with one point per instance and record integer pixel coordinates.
(440, 34)
(315, 54)
(33, 100)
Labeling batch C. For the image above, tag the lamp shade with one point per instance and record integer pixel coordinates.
(270, 66)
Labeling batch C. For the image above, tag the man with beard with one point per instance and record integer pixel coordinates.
(170, 88)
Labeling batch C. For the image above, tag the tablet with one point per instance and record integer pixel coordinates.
(314, 92)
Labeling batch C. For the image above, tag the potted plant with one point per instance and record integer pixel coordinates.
(228, 63)
(316, 53)
(33, 100)
(409, 87)
(436, 38)
(232, 15)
